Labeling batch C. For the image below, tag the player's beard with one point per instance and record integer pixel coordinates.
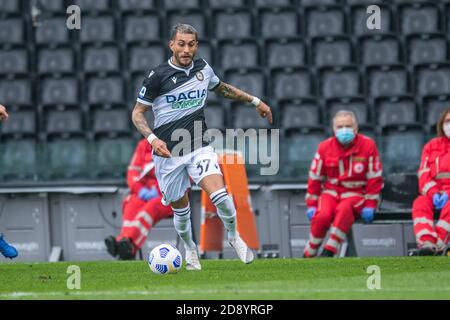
(184, 61)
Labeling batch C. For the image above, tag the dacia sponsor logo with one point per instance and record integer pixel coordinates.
(187, 100)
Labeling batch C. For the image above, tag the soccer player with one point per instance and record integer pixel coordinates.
(434, 188)
(142, 208)
(176, 90)
(345, 181)
(6, 249)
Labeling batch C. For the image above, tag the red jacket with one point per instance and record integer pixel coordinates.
(141, 158)
(434, 172)
(346, 172)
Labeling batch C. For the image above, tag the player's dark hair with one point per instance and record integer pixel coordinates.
(183, 29)
(440, 123)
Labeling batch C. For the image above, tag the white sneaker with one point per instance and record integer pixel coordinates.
(192, 261)
(243, 251)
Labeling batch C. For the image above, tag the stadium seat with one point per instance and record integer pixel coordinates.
(235, 54)
(98, 5)
(433, 107)
(112, 155)
(291, 83)
(359, 20)
(63, 122)
(427, 49)
(22, 123)
(232, 24)
(111, 121)
(136, 5)
(309, 3)
(16, 91)
(181, 4)
(215, 116)
(53, 6)
(12, 31)
(245, 118)
(142, 28)
(285, 53)
(249, 80)
(144, 58)
(206, 51)
(195, 18)
(97, 29)
(56, 60)
(53, 30)
(396, 111)
(14, 61)
(358, 106)
(220, 4)
(325, 21)
(340, 82)
(379, 49)
(298, 152)
(332, 51)
(10, 6)
(387, 81)
(105, 90)
(101, 59)
(279, 23)
(272, 3)
(433, 79)
(18, 160)
(59, 91)
(401, 145)
(365, 2)
(300, 114)
(67, 159)
(419, 18)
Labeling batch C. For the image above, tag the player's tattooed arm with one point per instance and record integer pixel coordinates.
(159, 146)
(228, 91)
(139, 119)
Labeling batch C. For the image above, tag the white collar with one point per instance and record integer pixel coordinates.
(187, 70)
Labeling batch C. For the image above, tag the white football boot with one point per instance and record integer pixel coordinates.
(243, 251)
(192, 260)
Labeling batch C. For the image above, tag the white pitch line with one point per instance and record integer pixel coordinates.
(157, 293)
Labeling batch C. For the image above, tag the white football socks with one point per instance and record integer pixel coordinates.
(225, 210)
(182, 222)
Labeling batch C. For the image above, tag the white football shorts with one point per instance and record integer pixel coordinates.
(173, 173)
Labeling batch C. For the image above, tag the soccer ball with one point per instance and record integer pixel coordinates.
(164, 259)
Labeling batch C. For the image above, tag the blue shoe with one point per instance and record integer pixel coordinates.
(6, 249)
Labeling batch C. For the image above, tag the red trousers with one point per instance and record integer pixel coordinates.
(427, 233)
(340, 215)
(139, 217)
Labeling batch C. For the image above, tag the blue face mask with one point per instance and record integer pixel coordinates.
(345, 135)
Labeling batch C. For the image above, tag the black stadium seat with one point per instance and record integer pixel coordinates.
(358, 106)
(23, 122)
(387, 81)
(236, 54)
(63, 122)
(97, 5)
(300, 114)
(12, 31)
(379, 49)
(101, 59)
(11, 6)
(221, 4)
(98, 29)
(67, 158)
(136, 5)
(433, 79)
(53, 30)
(195, 18)
(143, 28)
(232, 25)
(143, 58)
(111, 121)
(251, 81)
(285, 53)
(17, 91)
(427, 49)
(111, 157)
(325, 21)
(396, 111)
(291, 83)
(14, 61)
(105, 90)
(56, 60)
(278, 23)
(433, 107)
(63, 90)
(181, 4)
(340, 82)
(331, 51)
(18, 159)
(54, 6)
(419, 18)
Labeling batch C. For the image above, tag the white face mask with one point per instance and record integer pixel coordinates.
(447, 129)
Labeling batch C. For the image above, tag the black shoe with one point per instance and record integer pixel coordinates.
(125, 249)
(327, 254)
(422, 252)
(111, 246)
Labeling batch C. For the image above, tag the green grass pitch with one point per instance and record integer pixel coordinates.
(401, 278)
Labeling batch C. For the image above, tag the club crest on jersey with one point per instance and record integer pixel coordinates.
(187, 100)
(199, 75)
